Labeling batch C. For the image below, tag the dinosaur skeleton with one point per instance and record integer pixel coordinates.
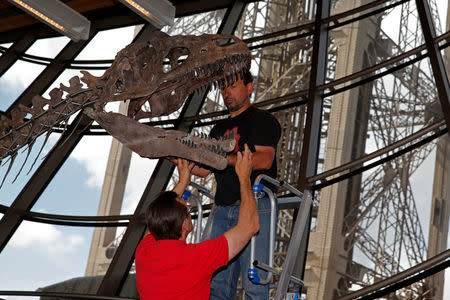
(160, 75)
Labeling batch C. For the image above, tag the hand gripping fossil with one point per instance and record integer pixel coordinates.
(157, 77)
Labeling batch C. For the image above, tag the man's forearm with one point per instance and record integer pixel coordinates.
(248, 213)
(248, 219)
(261, 160)
(180, 187)
(197, 171)
(200, 172)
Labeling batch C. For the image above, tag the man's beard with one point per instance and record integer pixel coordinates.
(234, 105)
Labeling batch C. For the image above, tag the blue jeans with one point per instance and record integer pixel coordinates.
(224, 281)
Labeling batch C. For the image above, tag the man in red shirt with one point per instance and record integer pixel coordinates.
(167, 267)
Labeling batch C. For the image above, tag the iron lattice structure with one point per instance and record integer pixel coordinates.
(387, 229)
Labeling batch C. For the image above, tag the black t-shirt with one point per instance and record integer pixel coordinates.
(254, 127)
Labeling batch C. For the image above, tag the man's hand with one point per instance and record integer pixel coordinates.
(184, 175)
(262, 159)
(244, 163)
(196, 170)
(184, 170)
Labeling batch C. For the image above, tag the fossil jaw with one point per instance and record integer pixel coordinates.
(154, 142)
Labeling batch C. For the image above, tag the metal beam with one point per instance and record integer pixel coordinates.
(437, 63)
(311, 138)
(123, 258)
(311, 142)
(19, 46)
(41, 178)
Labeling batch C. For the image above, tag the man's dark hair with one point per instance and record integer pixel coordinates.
(247, 76)
(165, 216)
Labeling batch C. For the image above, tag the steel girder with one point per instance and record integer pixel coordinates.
(437, 63)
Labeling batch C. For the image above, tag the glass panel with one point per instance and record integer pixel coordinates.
(446, 285)
(445, 53)
(76, 188)
(45, 253)
(10, 190)
(439, 15)
(394, 106)
(4, 48)
(141, 169)
(16, 80)
(107, 43)
(198, 24)
(48, 48)
(391, 233)
(43, 256)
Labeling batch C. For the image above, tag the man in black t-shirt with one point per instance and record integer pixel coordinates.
(260, 131)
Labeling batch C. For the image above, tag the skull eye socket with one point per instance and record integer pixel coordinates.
(166, 65)
(182, 58)
(144, 55)
(176, 56)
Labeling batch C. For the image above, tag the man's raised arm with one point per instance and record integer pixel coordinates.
(248, 220)
(184, 175)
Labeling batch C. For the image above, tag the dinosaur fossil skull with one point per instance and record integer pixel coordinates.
(171, 68)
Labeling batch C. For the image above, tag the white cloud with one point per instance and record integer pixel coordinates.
(140, 171)
(92, 152)
(46, 237)
(106, 44)
(20, 75)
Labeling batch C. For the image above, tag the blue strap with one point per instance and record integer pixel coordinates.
(257, 188)
(253, 276)
(186, 195)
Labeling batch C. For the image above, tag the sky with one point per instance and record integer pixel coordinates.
(62, 251)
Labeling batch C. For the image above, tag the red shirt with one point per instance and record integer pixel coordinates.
(172, 269)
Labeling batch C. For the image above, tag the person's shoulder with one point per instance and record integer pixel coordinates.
(208, 245)
(263, 113)
(145, 246)
(148, 239)
(222, 122)
(260, 111)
